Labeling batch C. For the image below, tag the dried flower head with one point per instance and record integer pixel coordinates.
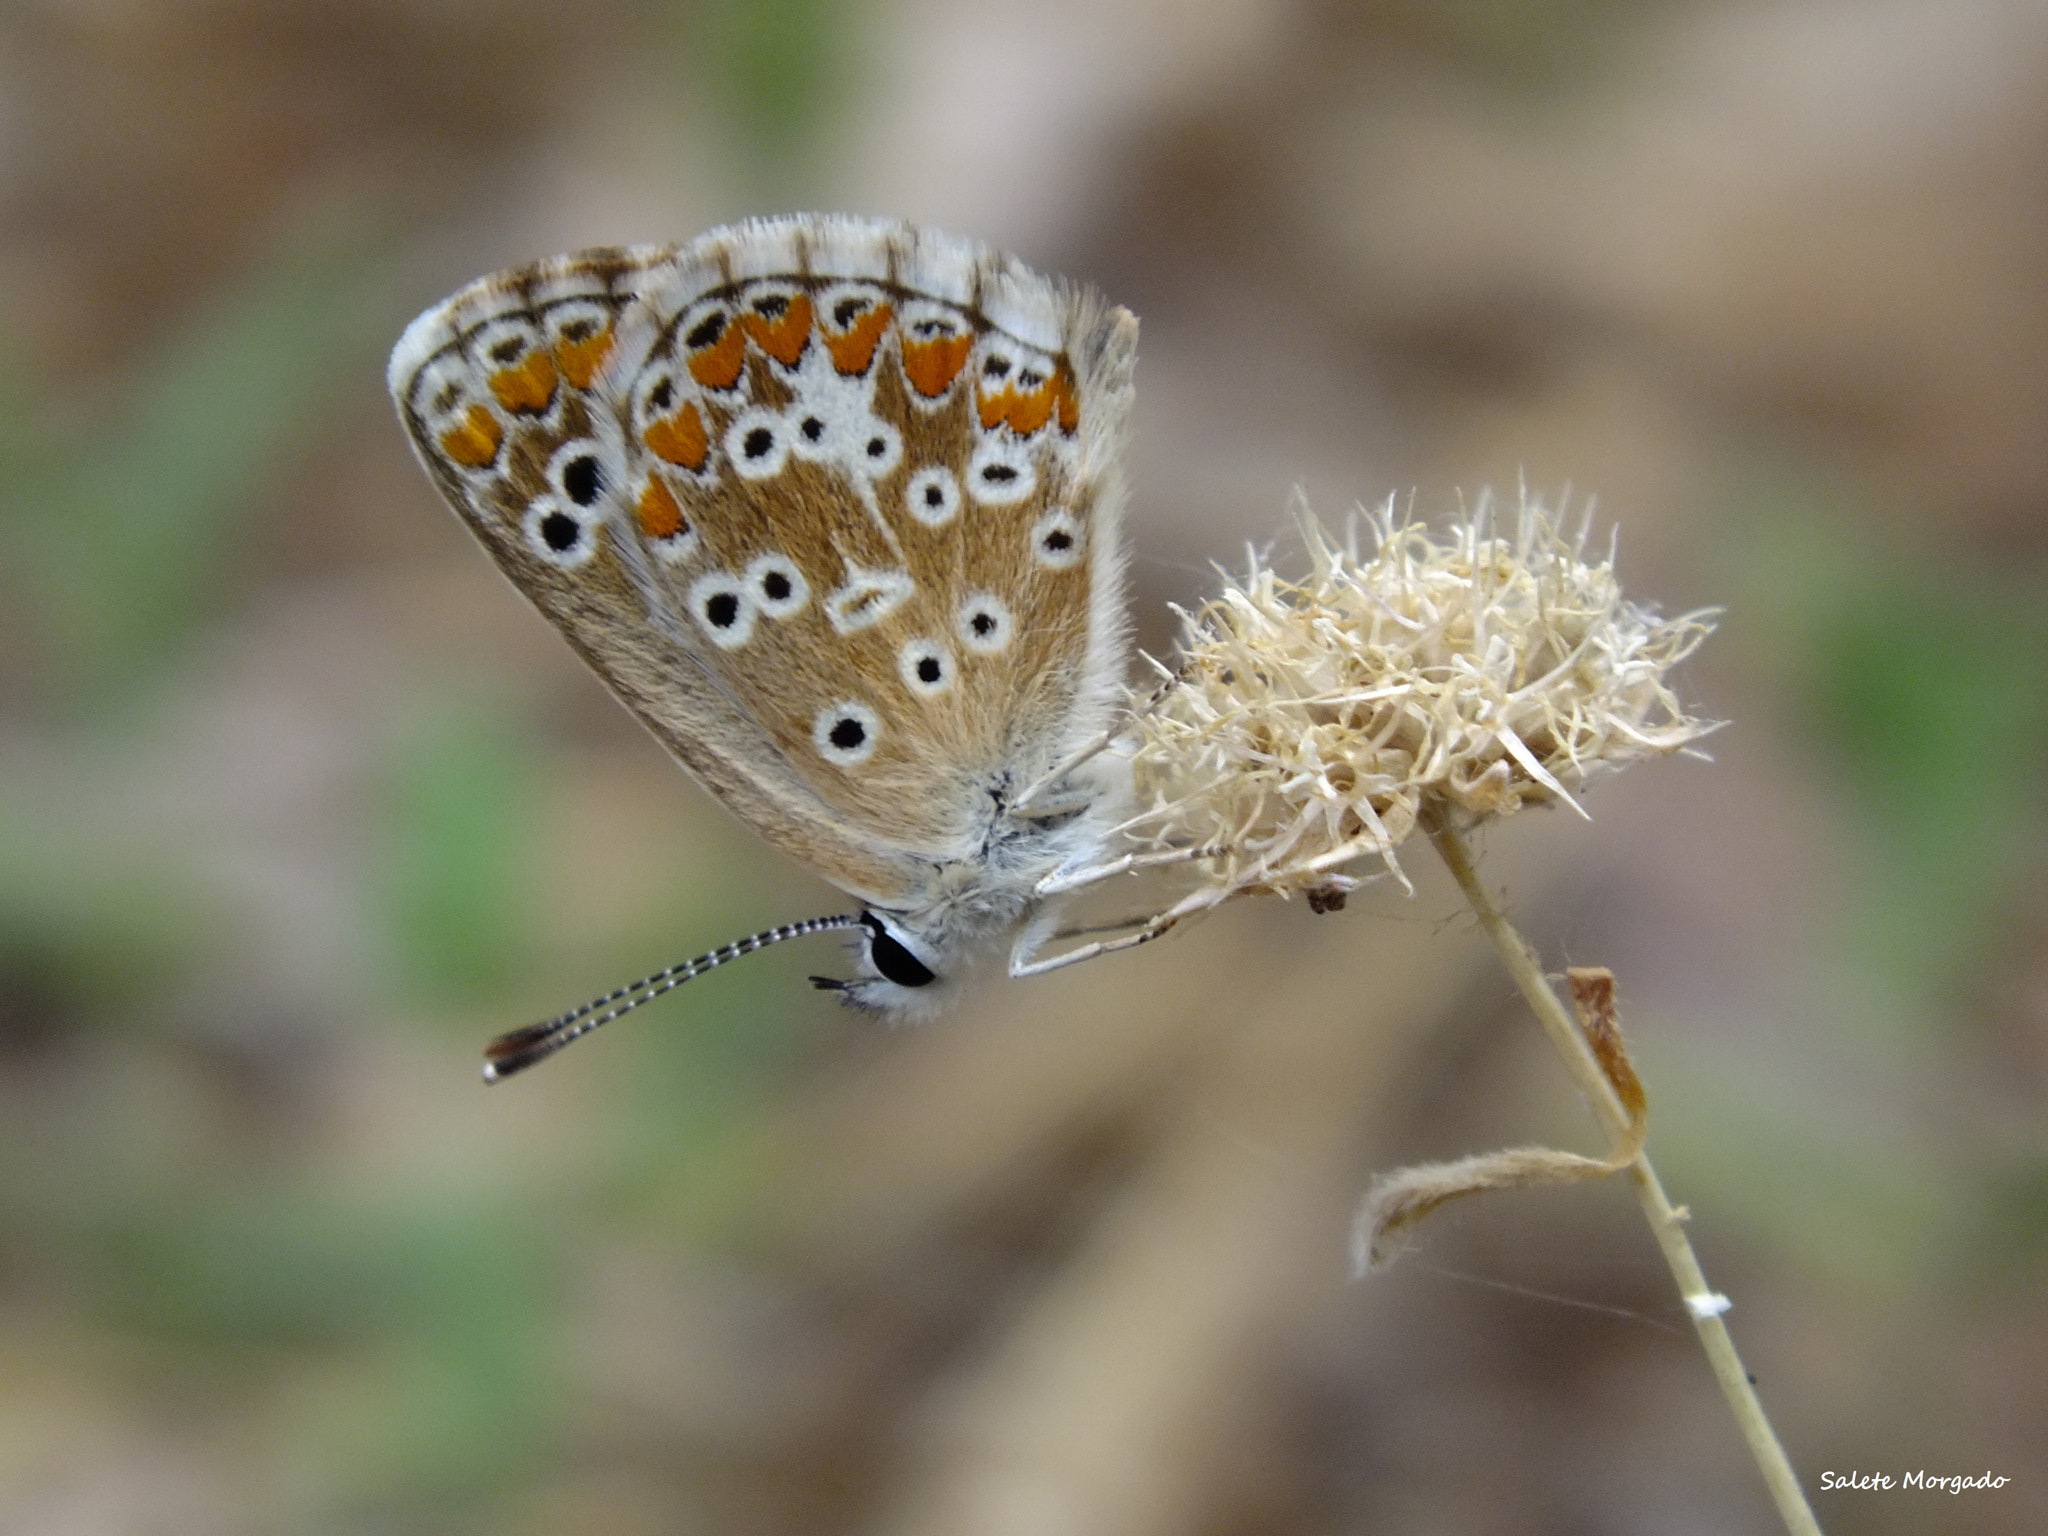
(1454, 676)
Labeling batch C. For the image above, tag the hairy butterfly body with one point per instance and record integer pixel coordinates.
(832, 506)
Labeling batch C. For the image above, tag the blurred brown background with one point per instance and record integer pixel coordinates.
(301, 803)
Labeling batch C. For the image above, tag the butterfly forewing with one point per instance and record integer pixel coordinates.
(830, 504)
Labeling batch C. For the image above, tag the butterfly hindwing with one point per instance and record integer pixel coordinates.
(830, 504)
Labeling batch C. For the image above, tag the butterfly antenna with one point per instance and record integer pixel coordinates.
(520, 1049)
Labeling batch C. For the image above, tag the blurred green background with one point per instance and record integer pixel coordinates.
(299, 803)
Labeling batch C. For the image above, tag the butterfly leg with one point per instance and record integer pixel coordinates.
(1089, 930)
(1059, 882)
(1023, 961)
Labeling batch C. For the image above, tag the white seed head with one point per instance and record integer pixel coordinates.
(1450, 677)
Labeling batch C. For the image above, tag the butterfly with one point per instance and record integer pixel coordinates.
(832, 505)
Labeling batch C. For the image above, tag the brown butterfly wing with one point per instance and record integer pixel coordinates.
(843, 541)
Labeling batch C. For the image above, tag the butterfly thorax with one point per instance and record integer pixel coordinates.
(963, 905)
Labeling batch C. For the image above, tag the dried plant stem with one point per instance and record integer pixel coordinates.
(1665, 1222)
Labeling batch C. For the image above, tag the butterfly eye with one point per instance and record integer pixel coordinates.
(933, 496)
(845, 734)
(983, 624)
(892, 958)
(925, 667)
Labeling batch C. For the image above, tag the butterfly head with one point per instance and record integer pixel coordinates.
(901, 972)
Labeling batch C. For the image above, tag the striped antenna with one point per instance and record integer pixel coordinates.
(521, 1048)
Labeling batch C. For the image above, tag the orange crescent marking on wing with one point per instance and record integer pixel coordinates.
(657, 513)
(854, 353)
(784, 337)
(473, 443)
(528, 385)
(994, 407)
(932, 366)
(1025, 413)
(1030, 412)
(718, 365)
(681, 438)
(580, 360)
